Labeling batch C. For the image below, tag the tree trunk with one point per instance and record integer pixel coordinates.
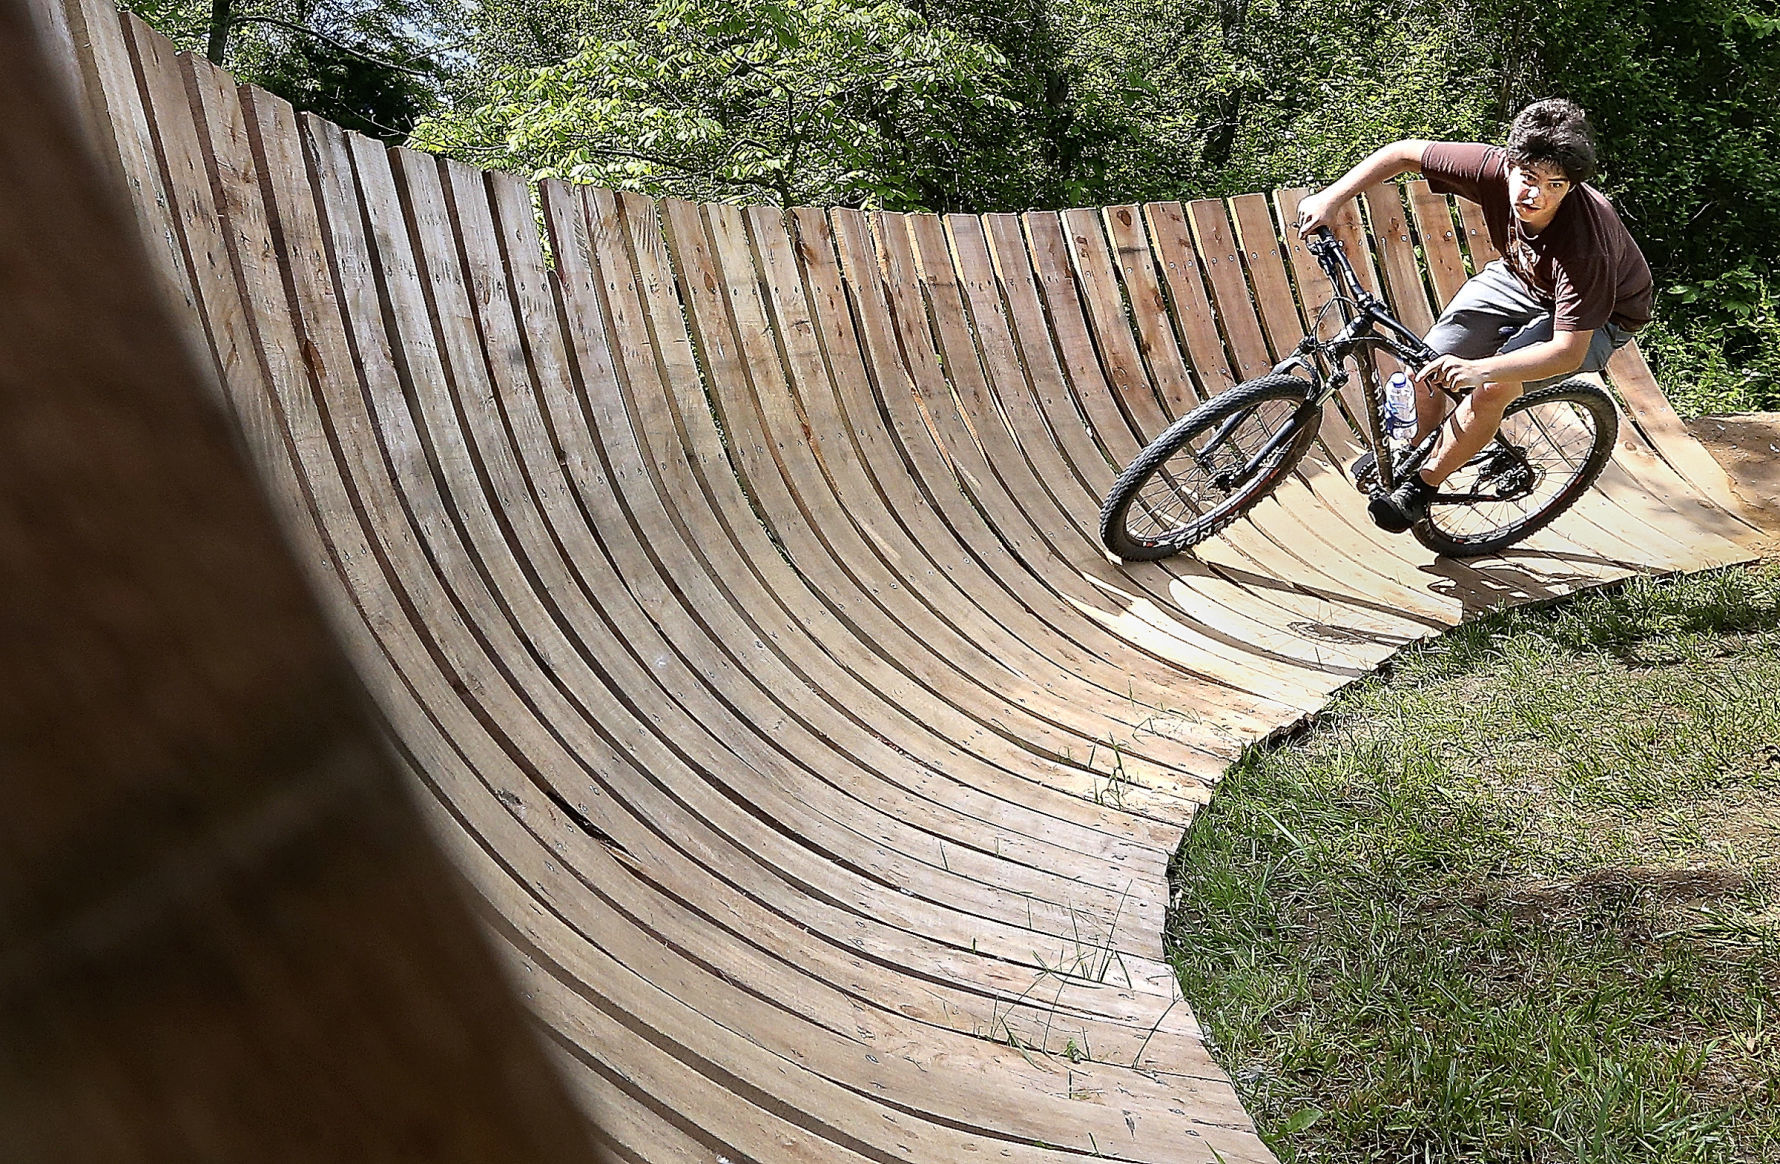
(220, 18)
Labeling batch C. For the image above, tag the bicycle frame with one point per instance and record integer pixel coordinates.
(1368, 327)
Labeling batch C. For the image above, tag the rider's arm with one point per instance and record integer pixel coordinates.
(1560, 355)
(1381, 165)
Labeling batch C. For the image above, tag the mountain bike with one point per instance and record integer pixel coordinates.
(1214, 464)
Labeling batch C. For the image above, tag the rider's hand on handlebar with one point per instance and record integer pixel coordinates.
(1314, 212)
(1451, 373)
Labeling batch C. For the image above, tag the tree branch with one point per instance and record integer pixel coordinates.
(325, 38)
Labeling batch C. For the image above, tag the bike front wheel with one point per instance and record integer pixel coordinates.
(1208, 468)
(1552, 445)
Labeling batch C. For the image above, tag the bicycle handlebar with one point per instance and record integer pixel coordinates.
(1331, 256)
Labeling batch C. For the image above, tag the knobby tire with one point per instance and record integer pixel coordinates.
(1139, 521)
(1567, 432)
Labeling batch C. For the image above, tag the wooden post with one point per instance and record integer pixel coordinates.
(223, 931)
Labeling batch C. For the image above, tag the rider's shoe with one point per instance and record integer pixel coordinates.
(1403, 506)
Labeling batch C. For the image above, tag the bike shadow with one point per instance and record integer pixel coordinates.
(1516, 577)
(1337, 599)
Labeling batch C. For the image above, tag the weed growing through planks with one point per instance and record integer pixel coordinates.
(1519, 900)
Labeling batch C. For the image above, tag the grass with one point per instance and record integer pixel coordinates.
(1518, 900)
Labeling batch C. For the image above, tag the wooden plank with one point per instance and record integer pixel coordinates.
(1182, 274)
(1120, 360)
(1148, 305)
(1435, 226)
(1477, 235)
(81, 67)
(191, 203)
(565, 251)
(1020, 294)
(99, 29)
(55, 41)
(1041, 358)
(823, 764)
(1258, 243)
(968, 729)
(1219, 252)
(955, 441)
(729, 263)
(1404, 289)
(856, 680)
(863, 852)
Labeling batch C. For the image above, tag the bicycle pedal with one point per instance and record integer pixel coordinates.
(1364, 471)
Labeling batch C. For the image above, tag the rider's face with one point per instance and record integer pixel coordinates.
(1535, 192)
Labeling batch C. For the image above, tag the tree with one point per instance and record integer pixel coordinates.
(375, 66)
(794, 101)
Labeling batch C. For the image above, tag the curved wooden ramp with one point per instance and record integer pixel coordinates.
(728, 581)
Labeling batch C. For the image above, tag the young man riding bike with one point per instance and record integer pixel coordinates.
(1571, 285)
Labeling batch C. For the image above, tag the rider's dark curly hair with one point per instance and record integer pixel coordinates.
(1553, 132)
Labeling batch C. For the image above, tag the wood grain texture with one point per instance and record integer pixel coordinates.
(727, 586)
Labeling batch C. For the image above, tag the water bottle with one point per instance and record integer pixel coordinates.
(1399, 411)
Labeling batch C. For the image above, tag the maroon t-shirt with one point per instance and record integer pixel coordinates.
(1584, 263)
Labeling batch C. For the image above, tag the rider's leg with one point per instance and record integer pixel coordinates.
(1472, 425)
(1492, 312)
(1479, 415)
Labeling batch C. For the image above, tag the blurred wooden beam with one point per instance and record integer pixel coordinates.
(224, 933)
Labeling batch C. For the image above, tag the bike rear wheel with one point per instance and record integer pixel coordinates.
(1208, 468)
(1552, 445)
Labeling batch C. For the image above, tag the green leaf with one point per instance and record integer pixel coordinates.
(1301, 1120)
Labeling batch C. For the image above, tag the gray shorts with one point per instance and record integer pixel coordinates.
(1494, 312)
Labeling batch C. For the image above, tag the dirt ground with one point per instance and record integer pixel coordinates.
(1748, 446)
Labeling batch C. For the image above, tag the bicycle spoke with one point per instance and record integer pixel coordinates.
(1184, 489)
(1554, 440)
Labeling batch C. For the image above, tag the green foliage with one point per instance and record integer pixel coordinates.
(1519, 901)
(984, 105)
(1715, 344)
(795, 100)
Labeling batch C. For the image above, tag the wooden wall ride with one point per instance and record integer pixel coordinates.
(730, 589)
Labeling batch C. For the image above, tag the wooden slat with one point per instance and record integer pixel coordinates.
(98, 30)
(1120, 359)
(1172, 241)
(1477, 236)
(1404, 289)
(1434, 225)
(1219, 252)
(1148, 304)
(1259, 246)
